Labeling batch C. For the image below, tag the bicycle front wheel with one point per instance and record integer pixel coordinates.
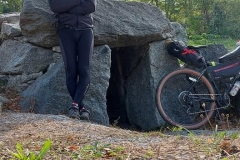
(183, 99)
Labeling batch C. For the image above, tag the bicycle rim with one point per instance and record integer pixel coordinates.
(175, 109)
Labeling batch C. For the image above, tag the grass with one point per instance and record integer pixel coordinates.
(22, 155)
(66, 141)
(219, 145)
(23, 139)
(227, 42)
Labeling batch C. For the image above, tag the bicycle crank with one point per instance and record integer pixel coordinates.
(187, 99)
(225, 102)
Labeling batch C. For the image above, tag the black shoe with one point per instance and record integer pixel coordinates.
(84, 114)
(73, 112)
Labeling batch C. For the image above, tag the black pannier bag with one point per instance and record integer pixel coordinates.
(225, 70)
(186, 55)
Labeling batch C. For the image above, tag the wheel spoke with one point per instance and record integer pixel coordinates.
(180, 106)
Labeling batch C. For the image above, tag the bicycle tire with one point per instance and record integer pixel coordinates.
(173, 109)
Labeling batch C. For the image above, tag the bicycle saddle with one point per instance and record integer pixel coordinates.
(235, 54)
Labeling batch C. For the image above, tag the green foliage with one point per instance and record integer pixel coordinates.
(212, 17)
(7, 6)
(21, 155)
(219, 142)
(218, 137)
(101, 151)
(207, 39)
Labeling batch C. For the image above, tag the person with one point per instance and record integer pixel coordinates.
(76, 39)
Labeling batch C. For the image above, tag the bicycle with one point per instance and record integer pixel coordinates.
(189, 97)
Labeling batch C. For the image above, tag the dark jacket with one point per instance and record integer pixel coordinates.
(74, 13)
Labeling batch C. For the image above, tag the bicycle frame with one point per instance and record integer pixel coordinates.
(213, 82)
(196, 94)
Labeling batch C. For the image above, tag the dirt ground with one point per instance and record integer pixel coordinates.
(71, 138)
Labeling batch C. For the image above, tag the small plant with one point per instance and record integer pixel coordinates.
(223, 143)
(21, 155)
(149, 154)
(101, 151)
(195, 139)
(218, 136)
(175, 129)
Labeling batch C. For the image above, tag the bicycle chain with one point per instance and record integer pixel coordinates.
(215, 108)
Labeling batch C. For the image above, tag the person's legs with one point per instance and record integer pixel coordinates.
(77, 49)
(85, 51)
(68, 45)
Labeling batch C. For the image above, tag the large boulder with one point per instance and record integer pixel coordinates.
(213, 52)
(12, 18)
(128, 24)
(48, 94)
(37, 23)
(180, 32)
(134, 57)
(10, 30)
(22, 63)
(18, 58)
(142, 83)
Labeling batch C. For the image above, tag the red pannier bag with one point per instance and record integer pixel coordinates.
(186, 55)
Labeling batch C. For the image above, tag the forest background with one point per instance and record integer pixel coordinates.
(206, 21)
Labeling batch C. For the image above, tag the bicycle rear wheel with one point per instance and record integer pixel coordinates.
(183, 101)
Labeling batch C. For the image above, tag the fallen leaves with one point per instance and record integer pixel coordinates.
(69, 138)
(227, 147)
(72, 148)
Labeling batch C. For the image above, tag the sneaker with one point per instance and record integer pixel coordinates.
(73, 112)
(84, 114)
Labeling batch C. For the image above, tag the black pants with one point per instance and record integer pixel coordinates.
(77, 49)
